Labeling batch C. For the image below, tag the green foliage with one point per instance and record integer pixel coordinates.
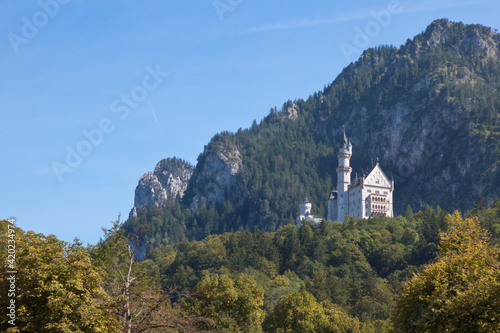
(124, 278)
(360, 265)
(235, 304)
(335, 277)
(137, 302)
(58, 289)
(279, 287)
(460, 291)
(408, 214)
(300, 312)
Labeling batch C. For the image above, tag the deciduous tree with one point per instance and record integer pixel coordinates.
(235, 304)
(460, 292)
(57, 287)
(300, 312)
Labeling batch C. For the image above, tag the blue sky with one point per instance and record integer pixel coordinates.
(94, 93)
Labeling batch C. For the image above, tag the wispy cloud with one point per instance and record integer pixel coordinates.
(307, 23)
(409, 7)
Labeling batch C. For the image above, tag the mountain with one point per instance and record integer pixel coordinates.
(429, 110)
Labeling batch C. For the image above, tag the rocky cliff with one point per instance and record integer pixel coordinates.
(214, 178)
(168, 182)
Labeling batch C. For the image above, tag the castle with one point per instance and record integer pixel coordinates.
(369, 195)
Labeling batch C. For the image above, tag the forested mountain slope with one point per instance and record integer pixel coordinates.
(429, 110)
(359, 265)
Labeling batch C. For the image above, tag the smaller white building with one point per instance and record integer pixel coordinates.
(305, 213)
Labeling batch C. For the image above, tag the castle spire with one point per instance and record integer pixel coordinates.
(345, 142)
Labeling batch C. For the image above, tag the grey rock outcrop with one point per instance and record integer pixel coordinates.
(289, 111)
(215, 174)
(173, 177)
(168, 182)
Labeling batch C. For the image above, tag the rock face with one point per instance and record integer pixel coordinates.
(211, 182)
(290, 110)
(423, 134)
(149, 192)
(475, 37)
(215, 173)
(174, 176)
(168, 182)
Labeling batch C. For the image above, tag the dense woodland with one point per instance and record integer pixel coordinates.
(334, 277)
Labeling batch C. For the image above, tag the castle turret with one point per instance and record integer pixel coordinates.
(343, 178)
(305, 207)
(305, 213)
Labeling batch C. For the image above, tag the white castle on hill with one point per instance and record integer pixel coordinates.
(305, 213)
(369, 195)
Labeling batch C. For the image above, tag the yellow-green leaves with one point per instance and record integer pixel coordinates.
(460, 292)
(58, 289)
(235, 303)
(300, 312)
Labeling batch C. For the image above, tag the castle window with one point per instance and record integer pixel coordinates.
(369, 191)
(385, 192)
(377, 192)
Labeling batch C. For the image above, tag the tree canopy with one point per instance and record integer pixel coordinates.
(459, 292)
(58, 287)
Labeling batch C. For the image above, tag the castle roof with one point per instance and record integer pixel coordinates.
(377, 177)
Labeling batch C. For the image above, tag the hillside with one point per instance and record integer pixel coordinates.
(359, 265)
(428, 110)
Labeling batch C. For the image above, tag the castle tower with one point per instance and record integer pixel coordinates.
(305, 207)
(343, 178)
(305, 213)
